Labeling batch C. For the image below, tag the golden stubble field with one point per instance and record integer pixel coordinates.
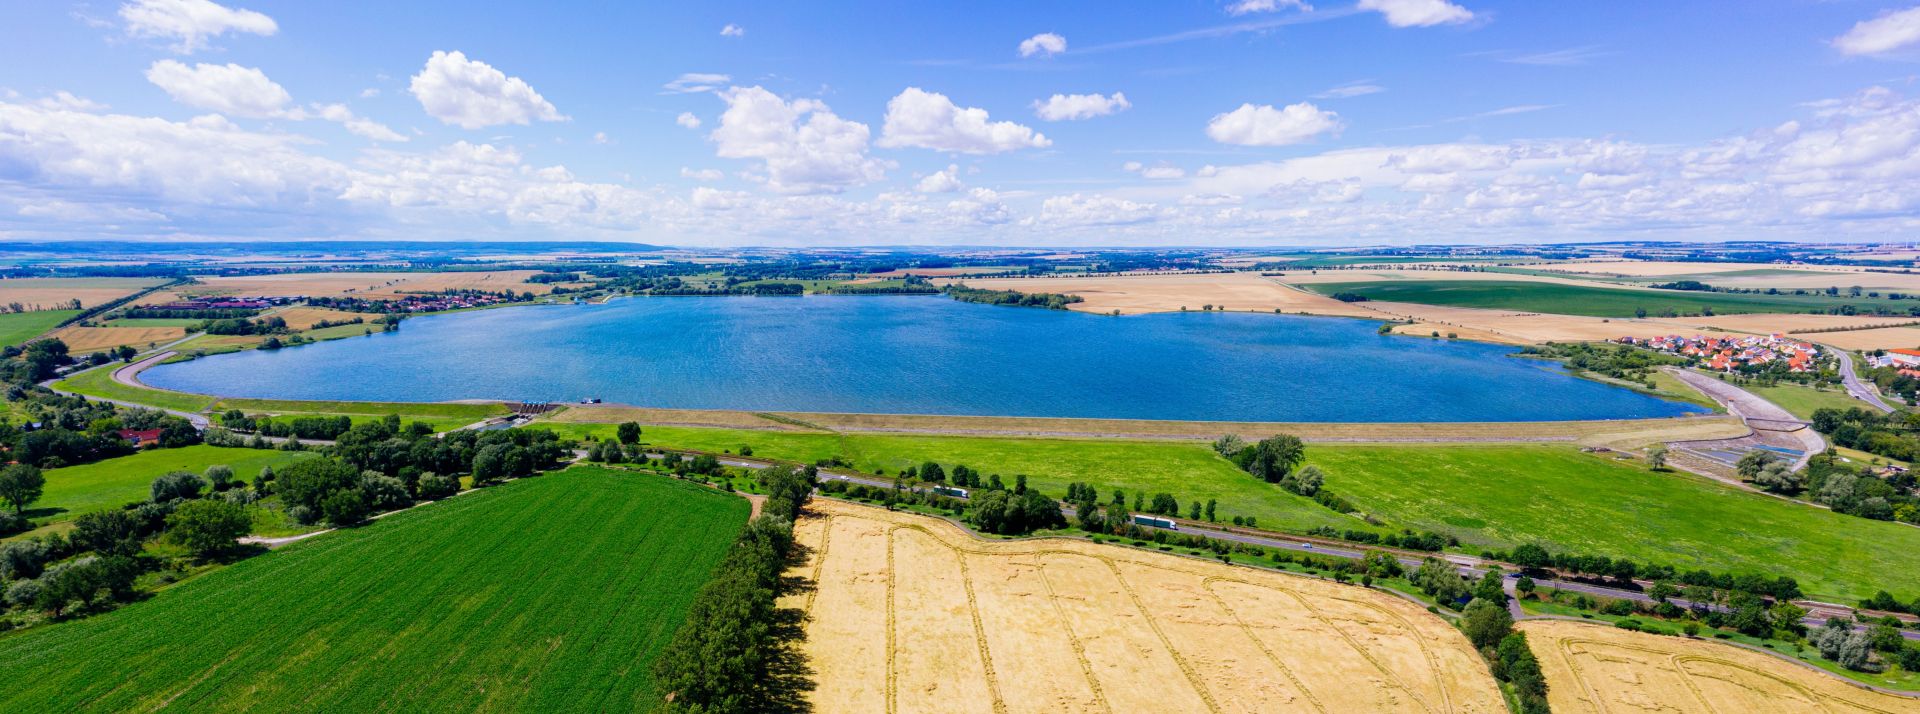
(374, 286)
(911, 614)
(1134, 294)
(48, 293)
(95, 339)
(1598, 668)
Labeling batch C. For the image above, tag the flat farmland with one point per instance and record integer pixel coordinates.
(1487, 495)
(1569, 299)
(1134, 294)
(1597, 668)
(911, 613)
(302, 318)
(1502, 496)
(48, 293)
(95, 339)
(1514, 327)
(109, 484)
(482, 602)
(21, 327)
(368, 285)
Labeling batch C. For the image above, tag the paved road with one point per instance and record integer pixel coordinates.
(199, 421)
(1860, 390)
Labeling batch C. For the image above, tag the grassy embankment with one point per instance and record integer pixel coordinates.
(1564, 299)
(1802, 400)
(480, 602)
(109, 484)
(441, 415)
(1487, 495)
(19, 327)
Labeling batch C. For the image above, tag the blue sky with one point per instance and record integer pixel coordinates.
(1191, 122)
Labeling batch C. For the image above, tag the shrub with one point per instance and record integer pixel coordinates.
(176, 485)
(344, 507)
(300, 514)
(23, 593)
(22, 559)
(434, 486)
(208, 527)
(220, 477)
(384, 493)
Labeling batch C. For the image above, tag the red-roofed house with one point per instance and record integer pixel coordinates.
(1904, 358)
(141, 438)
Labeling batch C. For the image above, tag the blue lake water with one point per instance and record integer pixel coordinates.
(923, 355)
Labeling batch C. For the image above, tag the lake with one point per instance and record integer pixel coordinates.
(923, 355)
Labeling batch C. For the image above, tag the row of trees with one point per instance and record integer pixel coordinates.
(736, 651)
(1537, 558)
(1014, 298)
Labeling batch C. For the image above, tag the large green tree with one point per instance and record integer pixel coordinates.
(20, 486)
(208, 526)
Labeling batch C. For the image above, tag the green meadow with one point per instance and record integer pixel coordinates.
(112, 483)
(19, 327)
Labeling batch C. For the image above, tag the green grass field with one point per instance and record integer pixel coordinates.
(1802, 401)
(1187, 470)
(98, 382)
(1500, 496)
(18, 327)
(483, 602)
(1577, 299)
(1491, 496)
(112, 483)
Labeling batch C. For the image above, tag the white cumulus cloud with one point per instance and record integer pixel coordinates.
(930, 120)
(732, 30)
(804, 146)
(1888, 32)
(687, 120)
(701, 174)
(472, 94)
(191, 23)
(1045, 44)
(1064, 107)
(944, 181)
(1418, 13)
(1266, 126)
(225, 88)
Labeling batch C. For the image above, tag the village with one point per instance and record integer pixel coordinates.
(1730, 354)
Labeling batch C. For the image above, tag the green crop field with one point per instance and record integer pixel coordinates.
(112, 483)
(1506, 495)
(19, 327)
(482, 602)
(1187, 470)
(1581, 300)
(98, 382)
(1494, 496)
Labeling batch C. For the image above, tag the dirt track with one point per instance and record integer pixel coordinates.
(912, 614)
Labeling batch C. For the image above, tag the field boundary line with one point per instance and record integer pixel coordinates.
(1066, 625)
(819, 561)
(1247, 630)
(1387, 673)
(979, 628)
(1681, 659)
(893, 686)
(1193, 678)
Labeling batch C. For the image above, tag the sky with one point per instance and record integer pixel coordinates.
(1179, 122)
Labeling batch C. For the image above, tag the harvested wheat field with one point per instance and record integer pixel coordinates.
(1885, 338)
(95, 339)
(1765, 323)
(374, 286)
(912, 614)
(54, 293)
(303, 318)
(1134, 294)
(1597, 668)
(1521, 328)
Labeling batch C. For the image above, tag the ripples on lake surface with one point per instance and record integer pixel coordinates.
(923, 355)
